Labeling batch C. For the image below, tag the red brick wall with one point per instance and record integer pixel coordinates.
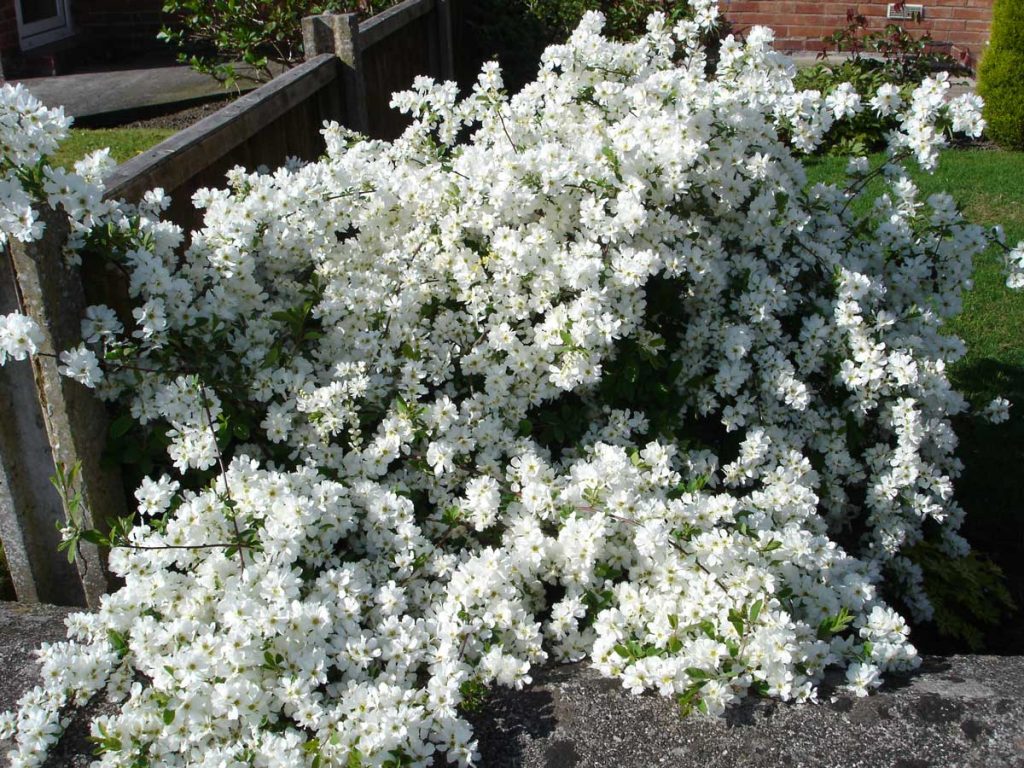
(801, 25)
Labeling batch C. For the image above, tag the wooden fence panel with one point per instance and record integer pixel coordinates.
(30, 508)
(391, 64)
(279, 119)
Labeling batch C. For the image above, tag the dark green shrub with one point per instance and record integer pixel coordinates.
(516, 32)
(866, 132)
(624, 19)
(499, 30)
(896, 56)
(214, 36)
(1001, 75)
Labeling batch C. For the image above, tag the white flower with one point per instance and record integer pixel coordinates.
(997, 411)
(81, 365)
(887, 100)
(154, 496)
(19, 337)
(860, 678)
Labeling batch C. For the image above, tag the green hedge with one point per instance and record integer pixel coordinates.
(1001, 75)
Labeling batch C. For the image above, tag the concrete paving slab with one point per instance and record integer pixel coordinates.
(92, 96)
(962, 711)
(957, 711)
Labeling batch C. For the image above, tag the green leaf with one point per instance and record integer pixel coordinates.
(708, 629)
(755, 611)
(688, 698)
(93, 536)
(168, 716)
(120, 426)
(118, 641)
(737, 620)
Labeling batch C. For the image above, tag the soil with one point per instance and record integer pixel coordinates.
(182, 117)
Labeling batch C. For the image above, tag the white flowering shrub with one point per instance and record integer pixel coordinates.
(587, 373)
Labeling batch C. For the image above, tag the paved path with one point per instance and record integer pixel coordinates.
(956, 712)
(105, 97)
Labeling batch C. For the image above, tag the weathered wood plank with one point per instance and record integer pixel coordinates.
(392, 65)
(182, 156)
(445, 34)
(386, 23)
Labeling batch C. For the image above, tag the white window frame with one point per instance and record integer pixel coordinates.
(37, 33)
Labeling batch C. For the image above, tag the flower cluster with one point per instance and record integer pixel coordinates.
(591, 372)
(19, 337)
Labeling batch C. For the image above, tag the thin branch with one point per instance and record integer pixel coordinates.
(223, 470)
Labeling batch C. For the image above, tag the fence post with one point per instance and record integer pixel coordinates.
(29, 505)
(447, 49)
(338, 33)
(75, 420)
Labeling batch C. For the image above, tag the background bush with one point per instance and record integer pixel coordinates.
(214, 36)
(516, 32)
(1001, 75)
(898, 57)
(624, 19)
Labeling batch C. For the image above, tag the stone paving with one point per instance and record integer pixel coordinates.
(108, 97)
(956, 712)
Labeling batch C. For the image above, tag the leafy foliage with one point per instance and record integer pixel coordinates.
(893, 55)
(515, 32)
(969, 593)
(216, 36)
(624, 19)
(1000, 80)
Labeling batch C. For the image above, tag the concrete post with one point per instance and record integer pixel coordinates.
(338, 33)
(30, 508)
(76, 421)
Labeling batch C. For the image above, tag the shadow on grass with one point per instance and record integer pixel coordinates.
(991, 488)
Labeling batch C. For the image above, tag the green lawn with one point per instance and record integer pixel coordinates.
(989, 185)
(124, 143)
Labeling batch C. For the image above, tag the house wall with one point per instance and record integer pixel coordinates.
(124, 25)
(103, 30)
(800, 26)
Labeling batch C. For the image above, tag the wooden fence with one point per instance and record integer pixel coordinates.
(351, 70)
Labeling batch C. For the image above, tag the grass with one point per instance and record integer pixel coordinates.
(989, 186)
(124, 143)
